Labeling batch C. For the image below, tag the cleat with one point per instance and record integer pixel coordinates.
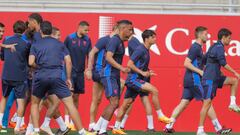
(169, 130)
(202, 133)
(165, 120)
(3, 129)
(72, 127)
(29, 132)
(150, 130)
(46, 130)
(234, 108)
(59, 132)
(12, 124)
(118, 132)
(224, 131)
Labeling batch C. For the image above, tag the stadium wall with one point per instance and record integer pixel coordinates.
(175, 33)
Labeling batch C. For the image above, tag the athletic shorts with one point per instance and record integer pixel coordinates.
(189, 93)
(221, 81)
(134, 89)
(112, 86)
(96, 76)
(78, 83)
(49, 86)
(19, 87)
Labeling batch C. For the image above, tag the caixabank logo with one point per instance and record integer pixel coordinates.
(106, 23)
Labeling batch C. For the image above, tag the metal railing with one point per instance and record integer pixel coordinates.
(118, 7)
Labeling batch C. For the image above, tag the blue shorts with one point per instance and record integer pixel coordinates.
(134, 88)
(20, 88)
(29, 84)
(44, 86)
(210, 89)
(193, 92)
(111, 86)
(221, 81)
(78, 83)
(96, 76)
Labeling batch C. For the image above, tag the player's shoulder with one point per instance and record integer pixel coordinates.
(72, 35)
(104, 39)
(86, 38)
(9, 37)
(140, 49)
(25, 39)
(218, 47)
(195, 47)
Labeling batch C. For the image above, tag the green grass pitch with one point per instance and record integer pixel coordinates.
(10, 132)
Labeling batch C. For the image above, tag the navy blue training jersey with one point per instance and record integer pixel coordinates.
(141, 58)
(15, 63)
(79, 48)
(115, 46)
(49, 53)
(215, 59)
(36, 36)
(133, 43)
(100, 56)
(195, 54)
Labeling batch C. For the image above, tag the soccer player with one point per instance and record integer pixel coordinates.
(194, 64)
(46, 56)
(34, 21)
(133, 43)
(213, 78)
(95, 66)
(51, 102)
(15, 72)
(137, 80)
(11, 96)
(79, 46)
(32, 34)
(110, 75)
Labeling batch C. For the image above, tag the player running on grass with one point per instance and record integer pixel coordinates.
(194, 63)
(137, 80)
(213, 78)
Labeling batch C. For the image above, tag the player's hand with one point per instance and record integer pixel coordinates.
(11, 47)
(88, 74)
(152, 73)
(69, 84)
(146, 74)
(125, 70)
(237, 75)
(201, 73)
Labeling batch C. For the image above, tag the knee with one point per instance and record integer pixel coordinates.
(97, 101)
(155, 91)
(235, 81)
(128, 104)
(75, 97)
(114, 104)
